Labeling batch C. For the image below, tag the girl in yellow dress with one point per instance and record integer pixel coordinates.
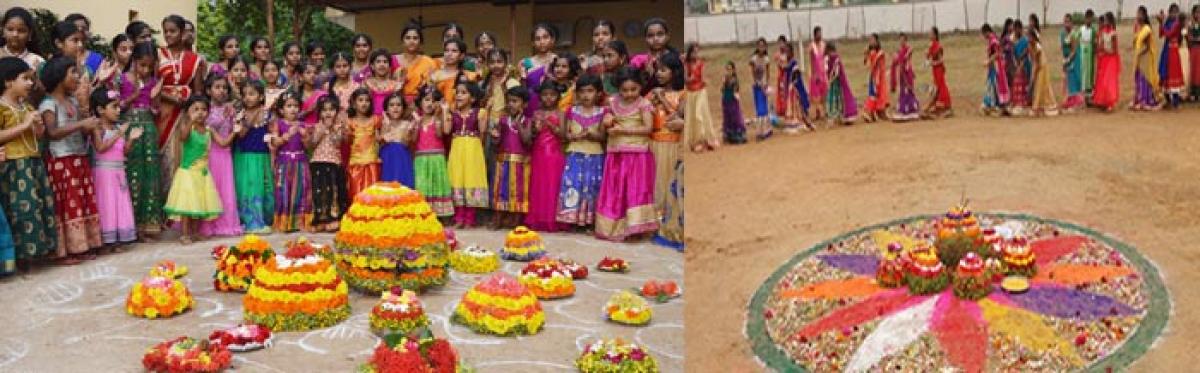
(1043, 94)
(193, 193)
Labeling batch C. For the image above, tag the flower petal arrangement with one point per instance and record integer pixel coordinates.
(297, 290)
(615, 356)
(158, 296)
(660, 291)
(398, 312)
(242, 338)
(578, 271)
(168, 268)
(391, 237)
(500, 305)
(547, 279)
(186, 354)
(474, 259)
(236, 265)
(522, 245)
(615, 265)
(1025, 294)
(405, 354)
(627, 308)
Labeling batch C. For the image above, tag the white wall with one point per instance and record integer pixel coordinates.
(110, 17)
(912, 17)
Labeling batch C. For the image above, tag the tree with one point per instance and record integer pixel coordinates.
(247, 19)
(44, 21)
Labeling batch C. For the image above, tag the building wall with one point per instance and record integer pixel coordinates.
(110, 17)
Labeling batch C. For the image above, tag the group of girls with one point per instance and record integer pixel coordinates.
(120, 148)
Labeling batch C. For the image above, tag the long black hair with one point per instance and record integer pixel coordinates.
(27, 18)
(352, 107)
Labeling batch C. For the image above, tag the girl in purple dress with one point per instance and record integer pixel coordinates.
(293, 195)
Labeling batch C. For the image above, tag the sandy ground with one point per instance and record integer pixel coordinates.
(1130, 175)
(69, 319)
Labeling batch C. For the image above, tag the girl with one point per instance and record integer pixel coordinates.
(252, 162)
(565, 69)
(1043, 96)
(1193, 43)
(446, 78)
(593, 61)
(615, 57)
(68, 40)
(625, 204)
(1019, 85)
(315, 51)
(228, 47)
(239, 74)
(429, 166)
(193, 194)
(510, 193)
(760, 67)
(1108, 66)
(840, 104)
(534, 68)
(940, 104)
(117, 226)
(485, 42)
(467, 167)
(501, 77)
(877, 101)
(667, 100)
(291, 62)
(731, 107)
(177, 71)
(585, 154)
(309, 93)
(364, 145)
(329, 196)
(222, 128)
(293, 193)
(414, 66)
(791, 97)
(1072, 79)
(381, 83)
(110, 71)
(397, 132)
(903, 79)
(275, 83)
(699, 133)
(657, 41)
(20, 38)
(995, 97)
(1087, 56)
(342, 84)
(25, 193)
(70, 172)
(1145, 73)
(818, 81)
(260, 51)
(360, 67)
(546, 162)
(1171, 67)
(89, 61)
(142, 160)
(139, 32)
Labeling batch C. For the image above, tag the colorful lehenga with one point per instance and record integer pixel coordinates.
(546, 164)
(253, 176)
(193, 194)
(364, 154)
(995, 97)
(432, 175)
(1108, 70)
(1170, 64)
(1146, 91)
(71, 176)
(220, 164)
(26, 196)
(698, 128)
(1043, 94)
(176, 73)
(625, 205)
(907, 106)
(143, 163)
(1193, 43)
(877, 83)
(112, 192)
(1072, 74)
(510, 188)
(467, 166)
(1019, 85)
(293, 183)
(839, 99)
(584, 168)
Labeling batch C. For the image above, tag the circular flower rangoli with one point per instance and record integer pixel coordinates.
(880, 298)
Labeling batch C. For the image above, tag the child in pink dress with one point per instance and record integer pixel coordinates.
(625, 206)
(117, 226)
(547, 162)
(220, 159)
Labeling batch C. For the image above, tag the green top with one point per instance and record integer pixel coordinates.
(194, 148)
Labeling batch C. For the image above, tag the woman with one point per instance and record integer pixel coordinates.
(940, 104)
(1170, 66)
(1043, 102)
(1145, 74)
(413, 67)
(1073, 82)
(1193, 39)
(178, 68)
(995, 96)
(875, 58)
(1108, 66)
(818, 82)
(360, 67)
(903, 77)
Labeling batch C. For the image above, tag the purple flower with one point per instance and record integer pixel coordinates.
(637, 354)
(411, 255)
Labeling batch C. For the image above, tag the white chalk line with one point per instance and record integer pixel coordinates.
(80, 338)
(637, 336)
(13, 350)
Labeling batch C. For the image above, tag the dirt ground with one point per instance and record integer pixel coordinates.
(1129, 175)
(70, 319)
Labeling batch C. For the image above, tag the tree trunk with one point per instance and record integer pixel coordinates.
(271, 20)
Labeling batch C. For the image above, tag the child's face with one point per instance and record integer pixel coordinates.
(239, 72)
(761, 46)
(21, 85)
(663, 74)
(230, 49)
(171, 33)
(601, 35)
(292, 56)
(251, 96)
(549, 98)
(630, 90)
(381, 65)
(497, 64)
(428, 104)
(362, 49)
(271, 73)
(451, 55)
(728, 70)
(412, 41)
(309, 75)
(656, 37)
(262, 51)
(16, 32)
(144, 66)
(317, 56)
(362, 104)
(72, 45)
(462, 96)
(562, 69)
(542, 40)
(341, 68)
(586, 95)
(198, 112)
(219, 91)
(111, 112)
(72, 81)
(484, 45)
(290, 108)
(328, 112)
(124, 51)
(395, 108)
(612, 59)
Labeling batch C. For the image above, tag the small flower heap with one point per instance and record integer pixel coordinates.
(296, 291)
(971, 280)
(523, 245)
(890, 273)
(1018, 258)
(548, 279)
(186, 354)
(627, 308)
(500, 305)
(925, 272)
(158, 295)
(615, 356)
(474, 259)
(398, 312)
(236, 265)
(245, 337)
(404, 354)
